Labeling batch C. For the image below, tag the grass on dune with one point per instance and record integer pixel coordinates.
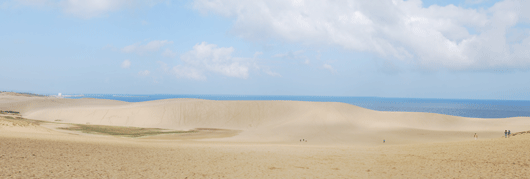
(120, 131)
(96, 129)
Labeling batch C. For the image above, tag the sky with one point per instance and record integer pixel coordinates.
(467, 49)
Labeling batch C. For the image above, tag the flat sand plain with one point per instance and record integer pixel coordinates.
(344, 141)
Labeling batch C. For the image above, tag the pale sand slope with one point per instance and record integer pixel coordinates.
(269, 121)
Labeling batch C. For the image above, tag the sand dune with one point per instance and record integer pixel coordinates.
(344, 141)
(268, 121)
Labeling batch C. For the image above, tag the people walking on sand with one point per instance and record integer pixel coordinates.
(384, 141)
(509, 132)
(505, 133)
(476, 136)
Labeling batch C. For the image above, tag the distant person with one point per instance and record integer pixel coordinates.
(384, 141)
(509, 132)
(505, 133)
(476, 136)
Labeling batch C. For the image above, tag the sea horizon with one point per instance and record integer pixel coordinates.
(474, 108)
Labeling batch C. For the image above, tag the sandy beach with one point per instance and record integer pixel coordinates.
(252, 139)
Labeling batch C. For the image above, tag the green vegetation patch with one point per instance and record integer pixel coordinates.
(120, 131)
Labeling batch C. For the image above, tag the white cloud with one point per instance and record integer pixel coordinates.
(144, 73)
(296, 55)
(207, 59)
(188, 72)
(168, 53)
(290, 54)
(329, 67)
(257, 54)
(163, 66)
(400, 30)
(152, 46)
(89, 8)
(33, 2)
(271, 73)
(183, 71)
(94, 8)
(214, 59)
(126, 64)
(474, 1)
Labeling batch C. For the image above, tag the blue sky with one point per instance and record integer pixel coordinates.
(468, 49)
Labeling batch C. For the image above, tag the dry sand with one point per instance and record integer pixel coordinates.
(344, 141)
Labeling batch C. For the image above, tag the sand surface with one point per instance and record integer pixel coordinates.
(344, 141)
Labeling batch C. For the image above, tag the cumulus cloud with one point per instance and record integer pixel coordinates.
(188, 72)
(449, 37)
(207, 58)
(126, 64)
(329, 67)
(217, 59)
(144, 73)
(152, 46)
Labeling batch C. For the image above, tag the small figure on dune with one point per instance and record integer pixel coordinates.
(476, 136)
(509, 132)
(384, 141)
(505, 133)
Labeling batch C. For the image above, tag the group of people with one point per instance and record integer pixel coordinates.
(507, 134)
(303, 140)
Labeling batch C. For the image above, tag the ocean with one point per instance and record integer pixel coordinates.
(455, 107)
